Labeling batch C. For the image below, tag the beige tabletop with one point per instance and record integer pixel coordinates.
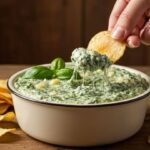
(20, 141)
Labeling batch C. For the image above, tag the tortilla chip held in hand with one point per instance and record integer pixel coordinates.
(103, 43)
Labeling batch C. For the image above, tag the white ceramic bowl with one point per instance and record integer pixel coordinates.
(80, 125)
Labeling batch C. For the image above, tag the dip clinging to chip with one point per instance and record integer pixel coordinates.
(103, 43)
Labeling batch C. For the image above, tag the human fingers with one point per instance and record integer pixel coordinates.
(141, 22)
(117, 10)
(147, 13)
(127, 20)
(133, 40)
(145, 34)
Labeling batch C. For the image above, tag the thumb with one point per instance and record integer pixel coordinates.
(129, 18)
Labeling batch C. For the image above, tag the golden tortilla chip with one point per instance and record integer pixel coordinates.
(3, 86)
(4, 108)
(8, 101)
(4, 131)
(6, 97)
(103, 43)
(2, 101)
(9, 117)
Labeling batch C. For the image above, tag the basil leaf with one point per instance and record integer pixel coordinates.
(64, 74)
(57, 63)
(38, 72)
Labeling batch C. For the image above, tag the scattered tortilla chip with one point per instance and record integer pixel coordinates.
(8, 101)
(2, 101)
(3, 86)
(5, 103)
(103, 43)
(10, 116)
(4, 108)
(6, 97)
(4, 131)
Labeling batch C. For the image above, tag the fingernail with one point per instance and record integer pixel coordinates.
(118, 33)
(133, 45)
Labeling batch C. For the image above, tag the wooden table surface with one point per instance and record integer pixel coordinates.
(21, 141)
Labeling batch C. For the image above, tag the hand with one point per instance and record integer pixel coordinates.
(129, 21)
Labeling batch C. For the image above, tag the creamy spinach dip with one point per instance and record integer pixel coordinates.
(84, 59)
(120, 84)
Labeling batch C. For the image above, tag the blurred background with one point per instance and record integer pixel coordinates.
(36, 31)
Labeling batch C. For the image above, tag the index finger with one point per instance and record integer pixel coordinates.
(129, 18)
(117, 10)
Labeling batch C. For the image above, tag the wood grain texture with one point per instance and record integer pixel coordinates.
(36, 31)
(20, 141)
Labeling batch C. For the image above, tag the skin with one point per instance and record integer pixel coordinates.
(130, 21)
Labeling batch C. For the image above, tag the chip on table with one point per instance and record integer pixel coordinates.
(3, 108)
(103, 43)
(3, 86)
(6, 111)
(4, 131)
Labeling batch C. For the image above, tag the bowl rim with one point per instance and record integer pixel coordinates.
(125, 101)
